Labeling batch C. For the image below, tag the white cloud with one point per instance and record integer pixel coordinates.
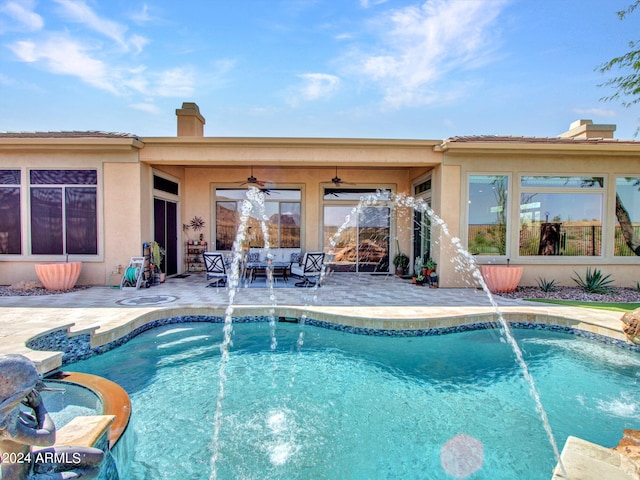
(344, 36)
(142, 16)
(22, 15)
(176, 82)
(315, 86)
(147, 108)
(368, 3)
(421, 44)
(138, 42)
(78, 11)
(62, 55)
(595, 112)
(89, 58)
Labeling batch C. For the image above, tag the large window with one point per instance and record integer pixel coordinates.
(627, 232)
(280, 218)
(561, 215)
(63, 214)
(488, 195)
(10, 239)
(356, 239)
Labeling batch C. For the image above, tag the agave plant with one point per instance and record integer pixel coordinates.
(547, 285)
(594, 281)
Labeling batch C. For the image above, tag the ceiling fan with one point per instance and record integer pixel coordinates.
(259, 184)
(251, 180)
(337, 181)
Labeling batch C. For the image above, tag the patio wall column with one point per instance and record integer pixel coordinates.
(447, 205)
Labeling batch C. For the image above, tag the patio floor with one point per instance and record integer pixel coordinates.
(363, 300)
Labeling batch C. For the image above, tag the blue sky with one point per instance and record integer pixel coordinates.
(312, 68)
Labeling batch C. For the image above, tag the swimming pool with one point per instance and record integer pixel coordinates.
(327, 404)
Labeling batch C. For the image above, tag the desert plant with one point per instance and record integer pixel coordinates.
(417, 266)
(401, 260)
(158, 254)
(430, 265)
(546, 285)
(594, 281)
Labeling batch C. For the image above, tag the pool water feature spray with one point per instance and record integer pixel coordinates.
(465, 262)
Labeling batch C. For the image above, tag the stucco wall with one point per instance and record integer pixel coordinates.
(609, 163)
(118, 199)
(123, 235)
(200, 183)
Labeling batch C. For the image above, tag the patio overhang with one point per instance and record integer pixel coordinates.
(307, 152)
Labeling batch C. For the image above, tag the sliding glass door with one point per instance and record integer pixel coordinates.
(356, 239)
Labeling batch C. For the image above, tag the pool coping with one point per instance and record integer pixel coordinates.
(70, 342)
(114, 399)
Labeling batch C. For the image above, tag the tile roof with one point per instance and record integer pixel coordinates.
(69, 134)
(550, 140)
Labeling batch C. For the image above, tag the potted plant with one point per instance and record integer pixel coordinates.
(433, 280)
(429, 267)
(501, 278)
(401, 262)
(417, 266)
(158, 254)
(420, 279)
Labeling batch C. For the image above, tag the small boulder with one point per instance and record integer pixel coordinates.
(26, 285)
(631, 327)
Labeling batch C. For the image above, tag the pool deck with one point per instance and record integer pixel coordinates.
(358, 300)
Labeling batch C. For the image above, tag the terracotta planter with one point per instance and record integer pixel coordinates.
(58, 276)
(501, 278)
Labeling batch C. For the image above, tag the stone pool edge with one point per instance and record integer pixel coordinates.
(68, 346)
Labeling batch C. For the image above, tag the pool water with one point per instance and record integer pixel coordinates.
(332, 405)
(72, 401)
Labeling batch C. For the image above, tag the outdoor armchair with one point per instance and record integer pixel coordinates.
(309, 269)
(215, 268)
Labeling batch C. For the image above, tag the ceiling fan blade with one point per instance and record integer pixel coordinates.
(337, 181)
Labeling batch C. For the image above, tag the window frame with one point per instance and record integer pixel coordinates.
(352, 203)
(553, 189)
(268, 199)
(19, 186)
(511, 191)
(27, 219)
(612, 232)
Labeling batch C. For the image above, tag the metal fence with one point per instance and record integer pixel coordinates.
(568, 240)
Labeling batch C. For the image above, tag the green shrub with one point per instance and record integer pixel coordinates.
(593, 281)
(547, 285)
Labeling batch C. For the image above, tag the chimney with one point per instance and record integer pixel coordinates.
(586, 129)
(190, 122)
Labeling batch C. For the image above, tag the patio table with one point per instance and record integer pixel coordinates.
(278, 269)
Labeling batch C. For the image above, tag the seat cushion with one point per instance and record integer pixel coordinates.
(297, 270)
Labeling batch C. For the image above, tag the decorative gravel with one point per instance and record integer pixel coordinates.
(31, 292)
(617, 294)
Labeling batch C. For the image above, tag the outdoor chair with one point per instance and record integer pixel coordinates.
(215, 268)
(309, 269)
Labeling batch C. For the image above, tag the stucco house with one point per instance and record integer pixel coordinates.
(551, 205)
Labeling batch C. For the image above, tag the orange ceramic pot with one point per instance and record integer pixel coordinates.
(58, 276)
(501, 278)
